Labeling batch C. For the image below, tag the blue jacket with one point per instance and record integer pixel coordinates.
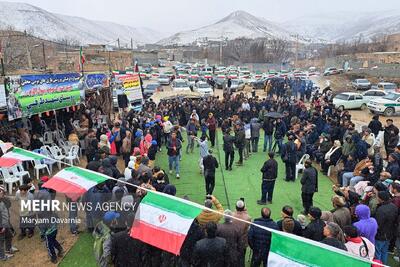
(260, 239)
(361, 147)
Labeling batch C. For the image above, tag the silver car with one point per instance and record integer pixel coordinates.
(163, 79)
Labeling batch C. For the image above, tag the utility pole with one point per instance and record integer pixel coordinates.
(132, 44)
(44, 57)
(118, 44)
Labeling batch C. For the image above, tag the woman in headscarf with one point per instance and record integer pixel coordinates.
(104, 144)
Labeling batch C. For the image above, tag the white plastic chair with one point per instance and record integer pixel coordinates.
(45, 150)
(19, 172)
(38, 165)
(300, 164)
(73, 154)
(64, 145)
(9, 179)
(57, 154)
(48, 138)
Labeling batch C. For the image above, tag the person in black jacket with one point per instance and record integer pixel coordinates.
(269, 174)
(240, 139)
(125, 250)
(212, 250)
(229, 140)
(260, 239)
(194, 234)
(287, 212)
(386, 217)
(334, 236)
(315, 229)
(289, 157)
(309, 185)
(210, 163)
(375, 125)
(268, 127)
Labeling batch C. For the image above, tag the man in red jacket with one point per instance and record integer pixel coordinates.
(212, 127)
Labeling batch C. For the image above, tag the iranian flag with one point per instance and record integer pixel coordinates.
(81, 56)
(294, 252)
(5, 146)
(23, 155)
(74, 181)
(163, 221)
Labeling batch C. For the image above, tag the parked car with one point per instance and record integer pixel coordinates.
(220, 81)
(259, 84)
(373, 94)
(361, 84)
(350, 100)
(388, 105)
(151, 88)
(180, 85)
(387, 87)
(237, 85)
(163, 79)
(203, 88)
(331, 71)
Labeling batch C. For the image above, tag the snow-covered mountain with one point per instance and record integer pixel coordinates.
(346, 26)
(51, 26)
(237, 24)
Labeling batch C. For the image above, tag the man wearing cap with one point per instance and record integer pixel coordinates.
(386, 217)
(212, 127)
(241, 213)
(102, 239)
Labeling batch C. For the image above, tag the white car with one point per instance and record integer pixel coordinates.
(374, 94)
(350, 100)
(388, 105)
(203, 88)
(387, 87)
(180, 85)
(163, 79)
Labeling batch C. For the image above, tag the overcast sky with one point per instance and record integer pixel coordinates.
(176, 15)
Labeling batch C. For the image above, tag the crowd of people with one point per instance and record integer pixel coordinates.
(364, 219)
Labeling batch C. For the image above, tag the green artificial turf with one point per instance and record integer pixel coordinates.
(81, 253)
(244, 181)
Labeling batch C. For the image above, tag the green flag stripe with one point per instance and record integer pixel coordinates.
(311, 255)
(171, 205)
(26, 153)
(87, 175)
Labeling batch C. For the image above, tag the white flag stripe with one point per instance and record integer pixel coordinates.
(72, 177)
(17, 156)
(276, 260)
(171, 222)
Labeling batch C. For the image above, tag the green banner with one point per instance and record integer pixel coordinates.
(33, 94)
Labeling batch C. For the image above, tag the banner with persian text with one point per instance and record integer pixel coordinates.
(33, 94)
